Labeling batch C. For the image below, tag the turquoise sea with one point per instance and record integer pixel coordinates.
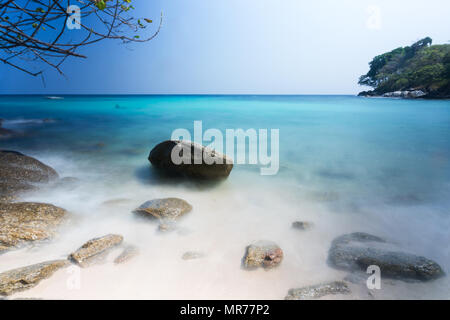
(346, 164)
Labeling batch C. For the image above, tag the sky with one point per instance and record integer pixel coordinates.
(245, 47)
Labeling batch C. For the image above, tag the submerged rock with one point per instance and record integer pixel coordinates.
(93, 250)
(264, 254)
(326, 196)
(128, 253)
(5, 133)
(318, 291)
(27, 277)
(161, 158)
(301, 225)
(24, 222)
(68, 183)
(167, 226)
(357, 251)
(191, 255)
(20, 173)
(116, 202)
(168, 209)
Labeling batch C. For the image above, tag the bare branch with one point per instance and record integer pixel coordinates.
(35, 33)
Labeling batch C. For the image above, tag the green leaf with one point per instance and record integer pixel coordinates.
(101, 4)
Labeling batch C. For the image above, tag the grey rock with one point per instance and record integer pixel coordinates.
(191, 255)
(357, 251)
(168, 209)
(395, 94)
(94, 250)
(21, 279)
(167, 226)
(265, 254)
(414, 94)
(161, 158)
(406, 94)
(301, 225)
(318, 291)
(128, 253)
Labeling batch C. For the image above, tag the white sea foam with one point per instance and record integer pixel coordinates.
(225, 219)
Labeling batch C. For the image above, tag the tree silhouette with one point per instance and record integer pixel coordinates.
(39, 33)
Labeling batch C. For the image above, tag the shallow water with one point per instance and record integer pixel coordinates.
(346, 164)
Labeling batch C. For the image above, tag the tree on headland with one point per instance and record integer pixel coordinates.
(421, 66)
(35, 34)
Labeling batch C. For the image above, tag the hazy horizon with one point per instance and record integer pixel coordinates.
(252, 47)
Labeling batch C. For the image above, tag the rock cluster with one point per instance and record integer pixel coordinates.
(405, 94)
(408, 94)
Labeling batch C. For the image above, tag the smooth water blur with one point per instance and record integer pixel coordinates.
(346, 164)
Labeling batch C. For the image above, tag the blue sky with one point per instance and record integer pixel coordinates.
(246, 47)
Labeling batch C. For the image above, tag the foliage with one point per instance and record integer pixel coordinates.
(34, 33)
(420, 66)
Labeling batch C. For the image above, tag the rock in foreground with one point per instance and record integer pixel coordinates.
(128, 253)
(27, 277)
(191, 255)
(93, 250)
(318, 291)
(168, 209)
(264, 254)
(20, 173)
(161, 158)
(357, 251)
(24, 222)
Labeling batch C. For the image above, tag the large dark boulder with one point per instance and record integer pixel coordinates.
(19, 173)
(161, 158)
(358, 251)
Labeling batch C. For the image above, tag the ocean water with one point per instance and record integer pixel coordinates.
(347, 164)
